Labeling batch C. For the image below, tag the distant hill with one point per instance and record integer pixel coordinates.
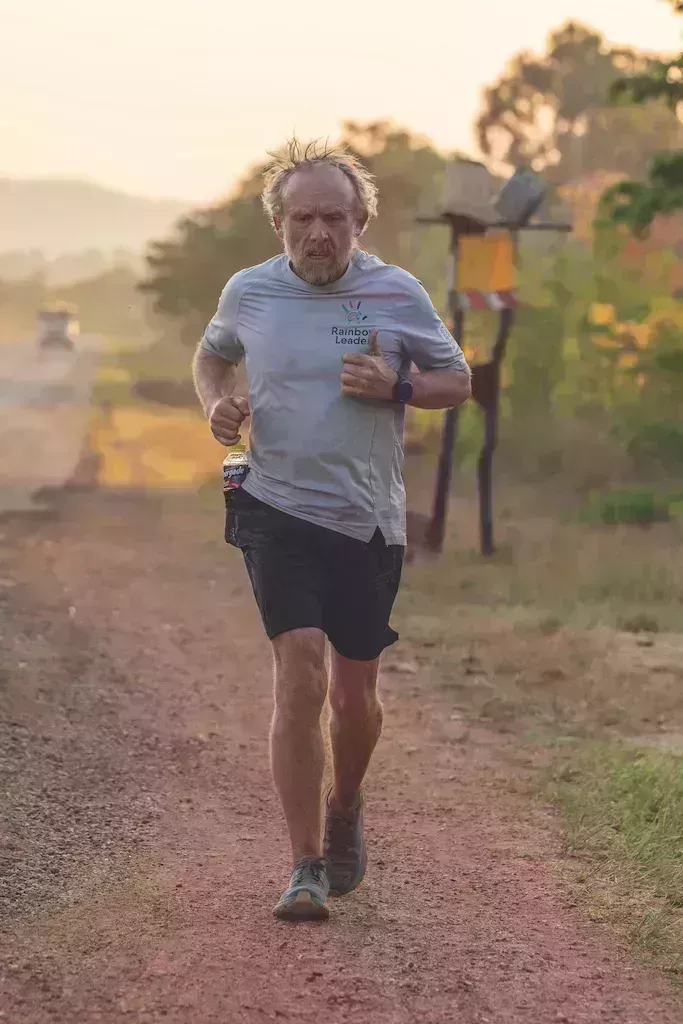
(62, 216)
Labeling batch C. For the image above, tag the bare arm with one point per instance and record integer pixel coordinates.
(214, 378)
(214, 381)
(370, 376)
(440, 389)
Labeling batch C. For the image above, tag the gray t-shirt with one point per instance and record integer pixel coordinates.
(331, 460)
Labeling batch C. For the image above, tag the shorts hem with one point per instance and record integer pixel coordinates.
(340, 648)
(273, 633)
(355, 656)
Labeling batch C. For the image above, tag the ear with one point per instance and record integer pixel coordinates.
(277, 224)
(359, 225)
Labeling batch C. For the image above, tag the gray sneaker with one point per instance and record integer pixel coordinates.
(305, 898)
(344, 848)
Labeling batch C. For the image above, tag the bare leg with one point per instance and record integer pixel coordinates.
(296, 742)
(355, 725)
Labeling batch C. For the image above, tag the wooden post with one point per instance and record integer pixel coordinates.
(491, 411)
(469, 207)
(484, 477)
(436, 530)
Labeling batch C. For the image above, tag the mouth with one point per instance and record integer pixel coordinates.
(318, 255)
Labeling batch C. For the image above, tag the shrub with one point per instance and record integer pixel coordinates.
(626, 508)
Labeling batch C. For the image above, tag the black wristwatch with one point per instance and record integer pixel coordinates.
(403, 389)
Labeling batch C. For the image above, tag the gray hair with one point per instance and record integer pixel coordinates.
(294, 155)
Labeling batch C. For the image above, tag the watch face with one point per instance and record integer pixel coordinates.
(404, 390)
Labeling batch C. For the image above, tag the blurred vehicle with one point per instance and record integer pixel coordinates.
(57, 327)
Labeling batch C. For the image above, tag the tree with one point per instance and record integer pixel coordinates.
(551, 112)
(188, 271)
(408, 171)
(19, 304)
(410, 174)
(109, 304)
(637, 203)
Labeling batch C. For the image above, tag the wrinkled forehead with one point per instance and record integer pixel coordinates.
(317, 187)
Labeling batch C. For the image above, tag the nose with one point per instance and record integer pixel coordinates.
(318, 232)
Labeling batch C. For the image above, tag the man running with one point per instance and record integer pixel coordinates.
(329, 334)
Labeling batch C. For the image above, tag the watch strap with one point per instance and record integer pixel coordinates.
(403, 388)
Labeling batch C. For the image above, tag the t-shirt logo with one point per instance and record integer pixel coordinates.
(352, 313)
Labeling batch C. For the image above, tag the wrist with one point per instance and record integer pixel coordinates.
(209, 405)
(211, 401)
(391, 386)
(403, 390)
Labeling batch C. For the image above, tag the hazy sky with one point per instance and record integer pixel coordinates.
(176, 98)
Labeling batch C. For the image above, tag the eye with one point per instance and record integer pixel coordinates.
(333, 218)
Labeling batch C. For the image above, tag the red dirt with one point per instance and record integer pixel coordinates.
(146, 847)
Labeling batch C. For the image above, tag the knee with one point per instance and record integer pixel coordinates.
(357, 701)
(300, 673)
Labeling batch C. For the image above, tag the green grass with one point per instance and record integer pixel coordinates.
(628, 508)
(582, 575)
(164, 359)
(624, 810)
(153, 376)
(116, 393)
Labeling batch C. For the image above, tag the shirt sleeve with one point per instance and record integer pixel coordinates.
(426, 339)
(221, 336)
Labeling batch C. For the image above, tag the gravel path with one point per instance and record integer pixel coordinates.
(145, 849)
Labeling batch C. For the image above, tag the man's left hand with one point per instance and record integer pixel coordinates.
(368, 375)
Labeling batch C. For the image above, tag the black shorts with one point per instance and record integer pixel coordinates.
(304, 575)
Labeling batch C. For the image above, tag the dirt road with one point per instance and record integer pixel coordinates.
(145, 847)
(44, 410)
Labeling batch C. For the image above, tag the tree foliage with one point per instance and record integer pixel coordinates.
(188, 271)
(551, 112)
(108, 303)
(635, 204)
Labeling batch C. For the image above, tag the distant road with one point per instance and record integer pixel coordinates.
(44, 411)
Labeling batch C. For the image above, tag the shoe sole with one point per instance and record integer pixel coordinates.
(302, 908)
(334, 891)
(345, 890)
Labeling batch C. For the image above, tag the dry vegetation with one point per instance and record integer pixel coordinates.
(571, 640)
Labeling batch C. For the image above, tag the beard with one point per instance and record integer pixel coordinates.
(319, 269)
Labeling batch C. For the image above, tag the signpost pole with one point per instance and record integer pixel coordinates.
(484, 274)
(491, 406)
(436, 529)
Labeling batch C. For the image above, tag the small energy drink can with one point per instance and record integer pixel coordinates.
(235, 468)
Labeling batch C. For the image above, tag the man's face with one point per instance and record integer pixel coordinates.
(320, 224)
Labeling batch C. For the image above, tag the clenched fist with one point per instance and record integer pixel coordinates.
(226, 417)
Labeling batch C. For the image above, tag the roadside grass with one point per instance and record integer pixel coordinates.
(624, 810)
(570, 638)
(143, 444)
(122, 365)
(112, 385)
(569, 628)
(113, 380)
(170, 360)
(584, 575)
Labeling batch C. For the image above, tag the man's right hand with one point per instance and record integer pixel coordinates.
(226, 417)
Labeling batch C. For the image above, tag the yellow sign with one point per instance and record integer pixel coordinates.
(601, 314)
(486, 263)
